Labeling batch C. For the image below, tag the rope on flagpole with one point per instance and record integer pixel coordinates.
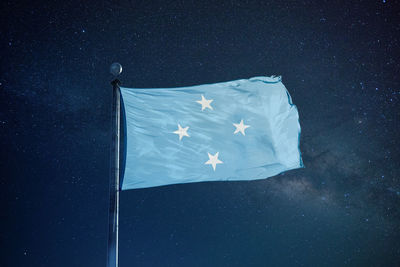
(113, 219)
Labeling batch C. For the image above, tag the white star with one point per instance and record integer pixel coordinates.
(181, 131)
(205, 103)
(240, 127)
(213, 160)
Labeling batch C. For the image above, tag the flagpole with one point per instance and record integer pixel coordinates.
(113, 218)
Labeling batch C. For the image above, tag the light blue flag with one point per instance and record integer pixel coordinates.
(240, 130)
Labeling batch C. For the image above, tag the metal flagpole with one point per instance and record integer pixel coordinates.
(112, 255)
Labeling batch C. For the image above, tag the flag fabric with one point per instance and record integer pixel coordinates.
(240, 130)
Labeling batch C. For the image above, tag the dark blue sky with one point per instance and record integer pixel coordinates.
(337, 59)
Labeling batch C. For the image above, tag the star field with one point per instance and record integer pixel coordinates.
(338, 60)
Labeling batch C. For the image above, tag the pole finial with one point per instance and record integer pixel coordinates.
(115, 69)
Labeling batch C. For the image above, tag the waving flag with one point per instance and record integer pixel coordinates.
(240, 130)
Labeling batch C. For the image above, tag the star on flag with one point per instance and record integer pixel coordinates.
(213, 160)
(240, 127)
(182, 132)
(205, 103)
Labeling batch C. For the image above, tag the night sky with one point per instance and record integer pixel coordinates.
(338, 61)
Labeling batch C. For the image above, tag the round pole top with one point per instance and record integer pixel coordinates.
(115, 69)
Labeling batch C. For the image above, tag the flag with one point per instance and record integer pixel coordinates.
(239, 130)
